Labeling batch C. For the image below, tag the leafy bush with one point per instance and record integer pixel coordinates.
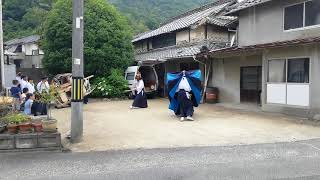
(51, 97)
(15, 118)
(113, 86)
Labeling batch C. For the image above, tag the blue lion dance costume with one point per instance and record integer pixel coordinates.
(180, 102)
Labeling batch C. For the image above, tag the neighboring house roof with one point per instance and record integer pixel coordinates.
(221, 20)
(175, 52)
(185, 20)
(25, 40)
(278, 44)
(244, 4)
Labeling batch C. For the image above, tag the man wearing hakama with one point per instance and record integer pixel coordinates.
(184, 92)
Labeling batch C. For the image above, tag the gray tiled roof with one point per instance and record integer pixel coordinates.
(244, 4)
(185, 21)
(25, 40)
(175, 52)
(221, 20)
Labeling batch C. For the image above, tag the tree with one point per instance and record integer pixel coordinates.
(107, 37)
(24, 18)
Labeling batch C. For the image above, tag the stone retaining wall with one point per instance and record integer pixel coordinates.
(51, 141)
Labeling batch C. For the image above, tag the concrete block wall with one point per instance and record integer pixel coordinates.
(30, 141)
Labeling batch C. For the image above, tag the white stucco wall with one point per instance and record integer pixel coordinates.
(264, 24)
(182, 36)
(29, 48)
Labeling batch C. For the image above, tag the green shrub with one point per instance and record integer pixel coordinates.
(15, 118)
(113, 86)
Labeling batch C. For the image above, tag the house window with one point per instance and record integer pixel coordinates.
(288, 82)
(164, 41)
(130, 76)
(293, 17)
(302, 15)
(298, 70)
(35, 52)
(18, 49)
(312, 12)
(277, 71)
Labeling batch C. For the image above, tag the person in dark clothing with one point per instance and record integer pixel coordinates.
(16, 94)
(38, 108)
(186, 105)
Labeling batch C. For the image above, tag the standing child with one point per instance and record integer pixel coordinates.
(16, 94)
(43, 85)
(23, 82)
(30, 86)
(28, 104)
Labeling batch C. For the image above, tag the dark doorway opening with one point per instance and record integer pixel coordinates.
(18, 62)
(189, 66)
(161, 72)
(250, 84)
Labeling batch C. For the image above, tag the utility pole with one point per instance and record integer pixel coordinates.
(1, 49)
(77, 72)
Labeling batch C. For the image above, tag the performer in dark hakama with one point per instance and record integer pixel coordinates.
(184, 92)
(140, 100)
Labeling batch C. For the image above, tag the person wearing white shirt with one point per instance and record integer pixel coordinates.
(140, 100)
(43, 85)
(30, 86)
(23, 82)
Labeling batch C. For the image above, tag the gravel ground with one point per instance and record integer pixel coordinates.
(113, 126)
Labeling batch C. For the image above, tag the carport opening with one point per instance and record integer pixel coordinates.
(149, 77)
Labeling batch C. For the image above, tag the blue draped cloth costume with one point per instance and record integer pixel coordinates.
(194, 79)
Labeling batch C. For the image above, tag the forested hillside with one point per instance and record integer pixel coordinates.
(25, 17)
(148, 14)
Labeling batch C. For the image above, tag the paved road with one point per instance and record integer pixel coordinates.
(298, 160)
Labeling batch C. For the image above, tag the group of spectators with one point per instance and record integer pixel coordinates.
(23, 92)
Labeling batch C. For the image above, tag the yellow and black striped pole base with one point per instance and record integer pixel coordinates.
(77, 89)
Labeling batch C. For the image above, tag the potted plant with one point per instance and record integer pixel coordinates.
(17, 121)
(37, 125)
(24, 125)
(49, 98)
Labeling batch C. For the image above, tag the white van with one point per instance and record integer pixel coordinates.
(149, 76)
